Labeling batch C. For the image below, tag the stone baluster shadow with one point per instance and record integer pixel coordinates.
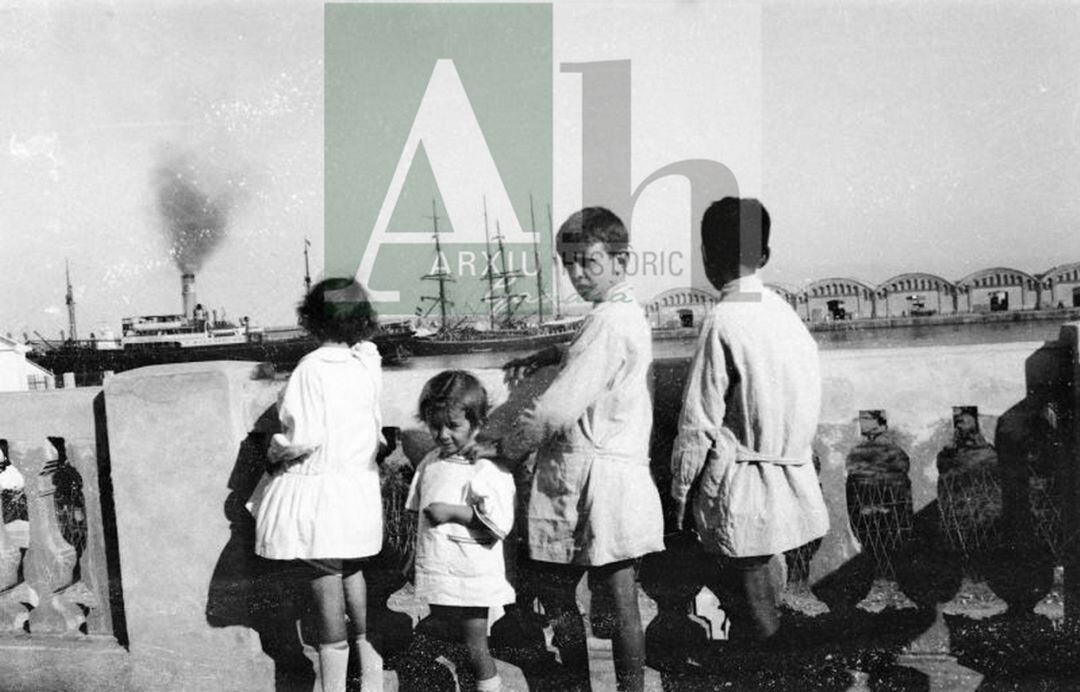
(59, 600)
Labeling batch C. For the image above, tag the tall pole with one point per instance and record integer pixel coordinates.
(70, 300)
(505, 274)
(438, 259)
(539, 265)
(555, 262)
(307, 270)
(490, 271)
(441, 274)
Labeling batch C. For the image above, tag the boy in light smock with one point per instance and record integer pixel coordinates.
(749, 415)
(593, 505)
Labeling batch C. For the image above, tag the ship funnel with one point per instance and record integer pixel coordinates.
(187, 294)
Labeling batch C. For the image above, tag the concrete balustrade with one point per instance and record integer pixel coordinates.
(171, 596)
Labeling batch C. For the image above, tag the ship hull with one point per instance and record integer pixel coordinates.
(438, 346)
(88, 364)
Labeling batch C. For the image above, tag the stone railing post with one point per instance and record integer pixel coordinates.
(15, 596)
(178, 437)
(49, 566)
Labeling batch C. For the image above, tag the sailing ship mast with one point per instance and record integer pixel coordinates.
(307, 271)
(555, 262)
(70, 300)
(441, 273)
(506, 275)
(489, 270)
(539, 266)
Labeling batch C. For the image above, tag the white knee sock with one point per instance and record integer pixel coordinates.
(490, 685)
(334, 665)
(371, 665)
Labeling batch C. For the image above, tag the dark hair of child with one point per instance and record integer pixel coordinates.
(588, 226)
(725, 222)
(338, 310)
(453, 390)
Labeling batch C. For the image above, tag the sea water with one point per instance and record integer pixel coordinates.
(856, 338)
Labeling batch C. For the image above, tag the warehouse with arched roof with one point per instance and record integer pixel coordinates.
(916, 293)
(997, 289)
(1061, 286)
(836, 298)
(680, 307)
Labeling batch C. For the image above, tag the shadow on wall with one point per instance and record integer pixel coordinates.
(993, 519)
(246, 590)
(996, 518)
(108, 521)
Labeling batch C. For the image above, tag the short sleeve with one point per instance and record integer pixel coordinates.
(491, 495)
(412, 502)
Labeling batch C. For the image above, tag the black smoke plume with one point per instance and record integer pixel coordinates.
(194, 211)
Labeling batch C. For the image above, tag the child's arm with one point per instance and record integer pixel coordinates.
(299, 410)
(520, 368)
(444, 513)
(702, 416)
(489, 504)
(591, 363)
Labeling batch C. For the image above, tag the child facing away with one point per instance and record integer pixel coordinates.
(749, 416)
(593, 505)
(320, 501)
(466, 507)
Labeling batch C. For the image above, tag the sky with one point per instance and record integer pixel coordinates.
(883, 137)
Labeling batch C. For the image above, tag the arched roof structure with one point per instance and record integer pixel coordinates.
(1062, 272)
(678, 297)
(836, 287)
(916, 281)
(783, 291)
(995, 277)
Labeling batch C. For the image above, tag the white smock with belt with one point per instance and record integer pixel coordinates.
(749, 416)
(593, 500)
(328, 504)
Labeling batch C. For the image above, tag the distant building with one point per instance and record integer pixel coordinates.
(1061, 286)
(998, 289)
(17, 374)
(911, 294)
(788, 294)
(836, 299)
(679, 307)
(914, 294)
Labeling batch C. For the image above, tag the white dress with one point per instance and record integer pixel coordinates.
(329, 504)
(457, 565)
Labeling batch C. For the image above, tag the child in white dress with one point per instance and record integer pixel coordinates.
(320, 501)
(466, 509)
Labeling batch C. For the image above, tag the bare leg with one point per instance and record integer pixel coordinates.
(749, 597)
(356, 599)
(474, 633)
(628, 643)
(329, 597)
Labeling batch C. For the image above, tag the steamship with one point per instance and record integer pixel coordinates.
(191, 336)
